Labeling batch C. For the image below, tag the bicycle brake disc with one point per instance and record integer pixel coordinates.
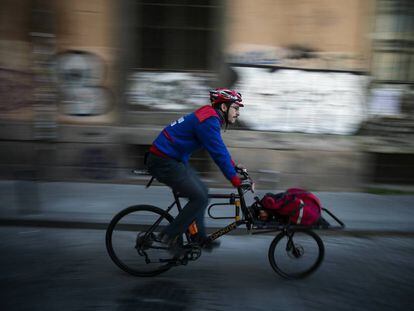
(296, 251)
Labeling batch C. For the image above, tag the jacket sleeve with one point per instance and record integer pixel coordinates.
(208, 132)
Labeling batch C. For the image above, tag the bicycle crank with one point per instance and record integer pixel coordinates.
(194, 252)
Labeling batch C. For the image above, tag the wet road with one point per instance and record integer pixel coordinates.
(61, 269)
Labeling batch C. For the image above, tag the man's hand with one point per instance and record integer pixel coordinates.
(248, 184)
(240, 168)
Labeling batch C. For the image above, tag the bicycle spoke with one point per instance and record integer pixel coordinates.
(132, 247)
(296, 254)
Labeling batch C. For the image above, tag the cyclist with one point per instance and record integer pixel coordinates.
(168, 159)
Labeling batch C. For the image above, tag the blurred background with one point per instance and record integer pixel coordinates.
(85, 86)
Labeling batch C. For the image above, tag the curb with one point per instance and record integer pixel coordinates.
(13, 222)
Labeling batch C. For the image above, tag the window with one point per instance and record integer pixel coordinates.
(393, 57)
(177, 34)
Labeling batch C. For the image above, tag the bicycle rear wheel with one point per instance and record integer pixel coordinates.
(295, 254)
(130, 240)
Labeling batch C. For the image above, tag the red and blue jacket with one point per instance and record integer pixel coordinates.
(200, 129)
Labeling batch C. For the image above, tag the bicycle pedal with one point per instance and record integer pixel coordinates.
(194, 254)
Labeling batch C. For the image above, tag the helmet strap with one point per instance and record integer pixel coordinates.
(226, 115)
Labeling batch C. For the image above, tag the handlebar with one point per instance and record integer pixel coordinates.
(242, 171)
(247, 182)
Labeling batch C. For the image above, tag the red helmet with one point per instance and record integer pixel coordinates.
(223, 95)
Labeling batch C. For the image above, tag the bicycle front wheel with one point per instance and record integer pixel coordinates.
(130, 240)
(295, 254)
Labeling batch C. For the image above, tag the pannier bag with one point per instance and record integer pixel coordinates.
(301, 206)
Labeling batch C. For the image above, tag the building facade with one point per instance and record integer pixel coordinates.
(86, 85)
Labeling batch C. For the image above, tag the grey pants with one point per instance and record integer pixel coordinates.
(183, 179)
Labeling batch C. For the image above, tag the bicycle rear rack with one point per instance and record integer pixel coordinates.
(341, 224)
(262, 227)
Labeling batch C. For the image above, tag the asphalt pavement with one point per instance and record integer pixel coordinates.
(92, 206)
(69, 270)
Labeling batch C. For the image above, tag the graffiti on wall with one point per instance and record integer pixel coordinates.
(302, 101)
(80, 79)
(294, 56)
(169, 90)
(386, 100)
(16, 90)
(254, 56)
(276, 100)
(250, 54)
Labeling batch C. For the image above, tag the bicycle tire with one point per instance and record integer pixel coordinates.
(130, 229)
(301, 238)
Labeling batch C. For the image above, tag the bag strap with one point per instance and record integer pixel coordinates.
(301, 205)
(300, 209)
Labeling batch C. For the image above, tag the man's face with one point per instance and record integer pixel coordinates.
(233, 113)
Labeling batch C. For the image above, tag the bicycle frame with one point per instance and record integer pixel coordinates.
(234, 199)
(146, 238)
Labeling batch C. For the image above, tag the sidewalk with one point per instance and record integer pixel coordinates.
(92, 205)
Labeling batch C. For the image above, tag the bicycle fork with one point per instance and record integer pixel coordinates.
(293, 250)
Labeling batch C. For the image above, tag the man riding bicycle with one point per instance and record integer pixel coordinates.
(168, 157)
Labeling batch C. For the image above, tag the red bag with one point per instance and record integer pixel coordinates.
(301, 206)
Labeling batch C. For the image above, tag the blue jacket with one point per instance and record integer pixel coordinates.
(200, 129)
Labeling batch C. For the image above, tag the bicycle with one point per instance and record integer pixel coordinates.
(295, 253)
